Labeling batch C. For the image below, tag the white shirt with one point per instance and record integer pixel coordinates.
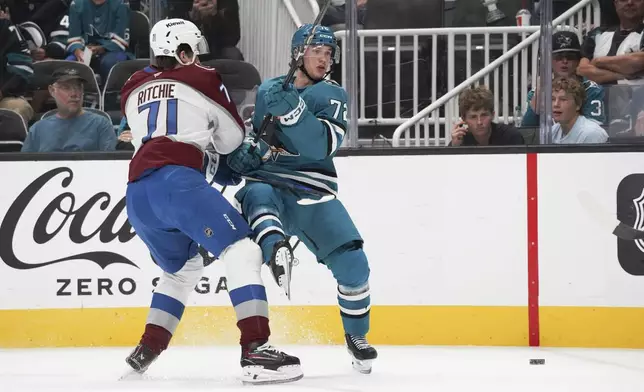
(583, 131)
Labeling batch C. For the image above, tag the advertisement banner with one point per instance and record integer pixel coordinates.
(65, 241)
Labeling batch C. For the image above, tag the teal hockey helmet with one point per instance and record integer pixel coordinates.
(322, 35)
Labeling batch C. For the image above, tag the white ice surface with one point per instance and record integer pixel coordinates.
(327, 368)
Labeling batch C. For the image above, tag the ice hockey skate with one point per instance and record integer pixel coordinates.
(139, 360)
(362, 353)
(264, 364)
(281, 265)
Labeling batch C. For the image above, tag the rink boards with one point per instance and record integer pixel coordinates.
(508, 249)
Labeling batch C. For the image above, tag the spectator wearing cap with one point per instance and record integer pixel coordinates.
(71, 128)
(566, 54)
(219, 22)
(571, 127)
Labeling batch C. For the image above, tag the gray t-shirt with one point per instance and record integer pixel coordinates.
(87, 132)
(584, 131)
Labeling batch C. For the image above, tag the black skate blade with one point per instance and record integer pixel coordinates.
(362, 366)
(287, 277)
(257, 375)
(285, 283)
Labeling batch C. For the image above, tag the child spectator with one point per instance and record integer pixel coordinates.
(476, 127)
(571, 126)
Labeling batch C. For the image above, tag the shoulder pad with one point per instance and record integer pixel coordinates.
(331, 82)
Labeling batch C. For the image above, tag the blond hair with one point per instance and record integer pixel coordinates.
(570, 86)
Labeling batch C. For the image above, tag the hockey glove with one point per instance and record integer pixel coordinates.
(245, 158)
(284, 103)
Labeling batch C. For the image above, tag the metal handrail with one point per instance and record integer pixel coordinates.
(293, 13)
(315, 7)
(483, 72)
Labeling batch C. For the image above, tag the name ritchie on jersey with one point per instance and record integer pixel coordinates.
(155, 92)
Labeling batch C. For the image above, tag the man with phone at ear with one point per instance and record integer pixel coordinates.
(476, 128)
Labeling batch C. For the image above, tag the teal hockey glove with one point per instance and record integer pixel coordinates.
(284, 103)
(245, 158)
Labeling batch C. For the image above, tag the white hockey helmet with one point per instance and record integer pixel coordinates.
(168, 34)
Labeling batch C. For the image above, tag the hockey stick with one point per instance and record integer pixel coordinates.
(290, 76)
(324, 196)
(608, 220)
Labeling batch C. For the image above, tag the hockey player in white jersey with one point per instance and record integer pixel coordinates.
(176, 109)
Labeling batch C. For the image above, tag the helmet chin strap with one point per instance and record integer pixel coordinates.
(311, 78)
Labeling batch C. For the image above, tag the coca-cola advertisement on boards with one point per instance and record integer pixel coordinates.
(65, 240)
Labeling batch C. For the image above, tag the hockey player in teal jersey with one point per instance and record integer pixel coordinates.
(103, 26)
(311, 122)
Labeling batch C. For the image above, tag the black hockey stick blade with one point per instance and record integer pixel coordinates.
(626, 232)
(291, 72)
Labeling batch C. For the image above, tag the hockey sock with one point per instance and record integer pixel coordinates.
(156, 338)
(246, 290)
(268, 231)
(355, 303)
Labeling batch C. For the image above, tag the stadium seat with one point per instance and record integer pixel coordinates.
(13, 131)
(241, 80)
(117, 77)
(95, 111)
(139, 34)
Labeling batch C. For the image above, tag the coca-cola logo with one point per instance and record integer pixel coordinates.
(67, 205)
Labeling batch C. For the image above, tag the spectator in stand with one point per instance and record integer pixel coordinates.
(219, 22)
(613, 57)
(336, 14)
(476, 127)
(44, 25)
(614, 53)
(566, 53)
(16, 69)
(71, 128)
(571, 127)
(103, 27)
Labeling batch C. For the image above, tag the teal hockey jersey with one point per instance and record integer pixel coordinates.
(106, 25)
(302, 148)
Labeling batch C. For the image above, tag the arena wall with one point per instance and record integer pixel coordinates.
(484, 249)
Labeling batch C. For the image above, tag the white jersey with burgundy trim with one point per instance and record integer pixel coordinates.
(189, 106)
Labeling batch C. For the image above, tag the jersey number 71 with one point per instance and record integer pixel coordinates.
(171, 115)
(153, 115)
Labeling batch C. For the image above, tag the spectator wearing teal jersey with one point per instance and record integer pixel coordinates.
(103, 27)
(566, 54)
